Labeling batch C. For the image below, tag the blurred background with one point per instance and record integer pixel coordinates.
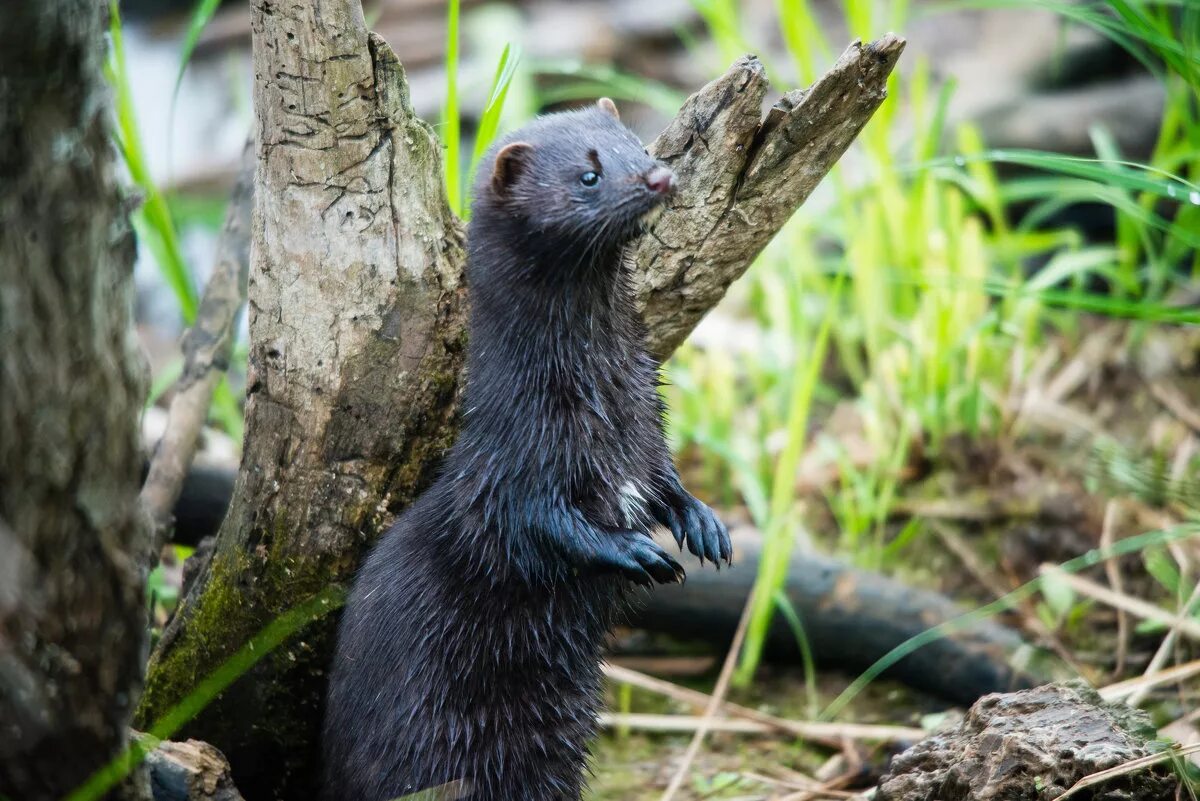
(973, 352)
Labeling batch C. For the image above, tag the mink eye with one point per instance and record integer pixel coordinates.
(589, 178)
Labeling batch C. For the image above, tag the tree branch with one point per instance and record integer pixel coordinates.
(742, 177)
(207, 347)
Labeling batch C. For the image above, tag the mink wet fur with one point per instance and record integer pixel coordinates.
(469, 649)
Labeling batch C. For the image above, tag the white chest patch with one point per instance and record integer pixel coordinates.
(633, 503)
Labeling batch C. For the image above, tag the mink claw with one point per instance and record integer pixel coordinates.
(693, 528)
(665, 515)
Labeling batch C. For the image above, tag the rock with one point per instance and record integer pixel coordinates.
(1029, 746)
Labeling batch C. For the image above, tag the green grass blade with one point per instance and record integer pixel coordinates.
(156, 227)
(201, 15)
(772, 568)
(1126, 175)
(1127, 309)
(489, 121)
(591, 81)
(451, 134)
(784, 604)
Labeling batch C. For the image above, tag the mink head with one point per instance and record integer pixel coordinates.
(579, 180)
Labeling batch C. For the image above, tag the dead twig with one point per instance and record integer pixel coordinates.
(954, 543)
(1135, 606)
(827, 734)
(788, 782)
(1166, 393)
(1133, 766)
(1165, 647)
(995, 585)
(1112, 569)
(207, 347)
(830, 789)
(1092, 354)
(1147, 681)
(645, 721)
(714, 703)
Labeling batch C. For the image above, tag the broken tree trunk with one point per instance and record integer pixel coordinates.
(72, 621)
(357, 313)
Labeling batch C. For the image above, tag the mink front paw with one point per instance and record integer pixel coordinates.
(639, 558)
(692, 521)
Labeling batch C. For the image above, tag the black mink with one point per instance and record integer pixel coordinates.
(469, 650)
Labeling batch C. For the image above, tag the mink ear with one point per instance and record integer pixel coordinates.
(608, 107)
(512, 160)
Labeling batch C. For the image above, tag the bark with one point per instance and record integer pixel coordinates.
(1047, 742)
(72, 617)
(357, 312)
(189, 771)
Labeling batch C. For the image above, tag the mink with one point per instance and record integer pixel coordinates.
(469, 650)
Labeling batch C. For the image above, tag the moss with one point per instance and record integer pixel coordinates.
(216, 626)
(268, 718)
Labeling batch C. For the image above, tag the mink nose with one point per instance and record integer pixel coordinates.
(660, 180)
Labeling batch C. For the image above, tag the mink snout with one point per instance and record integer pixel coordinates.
(661, 180)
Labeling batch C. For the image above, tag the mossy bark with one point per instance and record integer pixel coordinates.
(357, 328)
(72, 538)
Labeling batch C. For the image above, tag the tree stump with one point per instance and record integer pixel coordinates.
(357, 329)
